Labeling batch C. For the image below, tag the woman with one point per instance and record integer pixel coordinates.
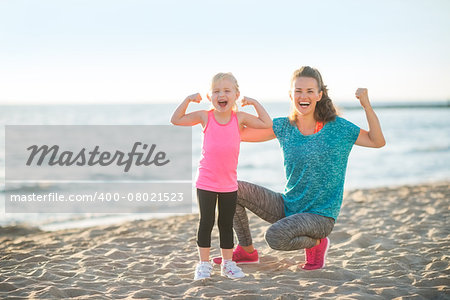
(316, 144)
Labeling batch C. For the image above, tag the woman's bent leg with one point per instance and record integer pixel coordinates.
(298, 231)
(263, 202)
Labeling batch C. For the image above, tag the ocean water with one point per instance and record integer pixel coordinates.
(417, 150)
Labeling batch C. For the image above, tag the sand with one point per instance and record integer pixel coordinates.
(388, 243)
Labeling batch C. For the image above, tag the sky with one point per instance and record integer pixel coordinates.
(136, 51)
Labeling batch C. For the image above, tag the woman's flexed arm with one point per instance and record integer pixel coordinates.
(374, 137)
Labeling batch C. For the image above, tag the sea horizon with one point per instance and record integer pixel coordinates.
(417, 149)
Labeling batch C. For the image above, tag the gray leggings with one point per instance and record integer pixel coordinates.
(295, 232)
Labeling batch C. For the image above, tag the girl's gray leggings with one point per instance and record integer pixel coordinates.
(295, 232)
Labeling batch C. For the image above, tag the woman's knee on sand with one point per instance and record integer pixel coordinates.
(298, 231)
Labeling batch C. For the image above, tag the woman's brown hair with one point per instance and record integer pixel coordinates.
(325, 110)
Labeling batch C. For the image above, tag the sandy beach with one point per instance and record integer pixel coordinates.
(388, 243)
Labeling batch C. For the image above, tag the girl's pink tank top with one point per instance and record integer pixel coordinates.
(220, 153)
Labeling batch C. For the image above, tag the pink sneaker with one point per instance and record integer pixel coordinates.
(316, 256)
(240, 256)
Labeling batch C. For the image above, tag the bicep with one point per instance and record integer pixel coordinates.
(193, 118)
(249, 120)
(257, 135)
(364, 139)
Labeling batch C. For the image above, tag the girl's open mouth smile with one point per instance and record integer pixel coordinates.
(222, 103)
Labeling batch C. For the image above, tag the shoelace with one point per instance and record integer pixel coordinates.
(319, 252)
(311, 255)
(231, 267)
(237, 256)
(204, 268)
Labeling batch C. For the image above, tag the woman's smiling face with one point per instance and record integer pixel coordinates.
(305, 94)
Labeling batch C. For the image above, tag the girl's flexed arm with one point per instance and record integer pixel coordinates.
(374, 137)
(180, 117)
(263, 119)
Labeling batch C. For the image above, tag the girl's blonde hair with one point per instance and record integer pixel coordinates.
(229, 76)
(220, 76)
(325, 110)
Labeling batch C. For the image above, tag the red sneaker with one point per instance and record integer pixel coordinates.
(240, 256)
(310, 256)
(316, 256)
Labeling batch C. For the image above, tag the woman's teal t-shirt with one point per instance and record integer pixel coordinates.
(315, 165)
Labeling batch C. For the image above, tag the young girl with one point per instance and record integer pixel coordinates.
(217, 177)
